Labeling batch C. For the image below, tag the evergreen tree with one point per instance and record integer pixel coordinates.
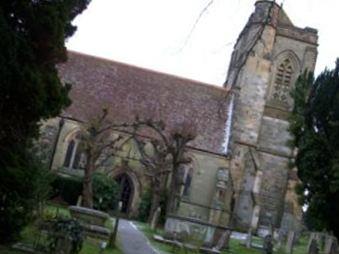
(315, 126)
(33, 34)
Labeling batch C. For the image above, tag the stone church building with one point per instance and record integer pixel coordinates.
(240, 156)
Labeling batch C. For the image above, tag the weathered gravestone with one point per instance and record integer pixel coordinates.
(290, 242)
(313, 249)
(223, 241)
(331, 245)
(312, 237)
(268, 245)
(248, 242)
(155, 218)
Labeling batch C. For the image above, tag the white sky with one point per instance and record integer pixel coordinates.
(155, 33)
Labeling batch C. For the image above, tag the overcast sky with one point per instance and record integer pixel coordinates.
(157, 34)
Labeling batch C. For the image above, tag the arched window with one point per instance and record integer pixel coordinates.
(69, 153)
(188, 181)
(75, 157)
(282, 82)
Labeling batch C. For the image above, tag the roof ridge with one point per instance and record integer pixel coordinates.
(196, 82)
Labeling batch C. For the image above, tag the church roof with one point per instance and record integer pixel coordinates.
(129, 91)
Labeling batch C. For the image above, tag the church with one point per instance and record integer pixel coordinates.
(240, 156)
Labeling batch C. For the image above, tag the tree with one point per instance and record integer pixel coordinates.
(99, 145)
(168, 152)
(32, 34)
(315, 126)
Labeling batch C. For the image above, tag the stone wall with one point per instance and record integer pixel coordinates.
(198, 204)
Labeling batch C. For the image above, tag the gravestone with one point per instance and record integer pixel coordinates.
(290, 242)
(331, 245)
(313, 249)
(155, 218)
(268, 245)
(223, 240)
(281, 238)
(248, 242)
(312, 237)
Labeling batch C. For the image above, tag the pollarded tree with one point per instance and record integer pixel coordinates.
(315, 126)
(166, 156)
(33, 34)
(99, 145)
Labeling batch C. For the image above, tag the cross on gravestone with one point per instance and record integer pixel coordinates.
(314, 249)
(290, 242)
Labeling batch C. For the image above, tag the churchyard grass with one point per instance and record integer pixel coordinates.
(30, 233)
(235, 245)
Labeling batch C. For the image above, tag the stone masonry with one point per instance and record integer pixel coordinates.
(268, 57)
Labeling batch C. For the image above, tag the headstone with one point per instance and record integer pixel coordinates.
(155, 218)
(313, 247)
(268, 245)
(331, 245)
(290, 242)
(249, 239)
(79, 201)
(223, 240)
(312, 237)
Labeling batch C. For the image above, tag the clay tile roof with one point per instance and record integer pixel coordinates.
(129, 91)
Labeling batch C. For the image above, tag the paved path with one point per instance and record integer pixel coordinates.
(132, 240)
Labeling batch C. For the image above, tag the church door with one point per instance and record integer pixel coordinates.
(126, 191)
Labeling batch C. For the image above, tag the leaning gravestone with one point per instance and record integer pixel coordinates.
(313, 249)
(268, 245)
(290, 242)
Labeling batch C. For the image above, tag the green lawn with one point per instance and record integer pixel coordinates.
(31, 233)
(236, 246)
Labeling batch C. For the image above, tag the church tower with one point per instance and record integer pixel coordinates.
(268, 56)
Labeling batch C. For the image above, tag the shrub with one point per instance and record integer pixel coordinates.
(105, 192)
(68, 231)
(145, 205)
(68, 188)
(24, 186)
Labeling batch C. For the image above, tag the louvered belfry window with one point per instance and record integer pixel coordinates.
(282, 82)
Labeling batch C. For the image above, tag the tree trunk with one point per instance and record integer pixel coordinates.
(172, 196)
(87, 189)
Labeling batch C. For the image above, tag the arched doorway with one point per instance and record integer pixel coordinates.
(126, 191)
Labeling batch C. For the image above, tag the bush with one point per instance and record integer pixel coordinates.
(106, 192)
(64, 232)
(145, 205)
(24, 185)
(68, 188)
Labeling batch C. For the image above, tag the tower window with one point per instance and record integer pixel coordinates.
(282, 82)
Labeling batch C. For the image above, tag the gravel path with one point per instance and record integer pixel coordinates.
(132, 240)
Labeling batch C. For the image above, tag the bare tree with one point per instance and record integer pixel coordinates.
(99, 145)
(169, 153)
